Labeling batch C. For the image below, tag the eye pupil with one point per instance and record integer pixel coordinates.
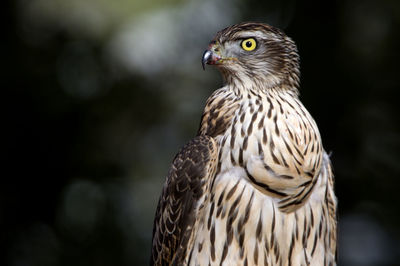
(248, 44)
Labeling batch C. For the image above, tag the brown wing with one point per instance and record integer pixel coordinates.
(192, 167)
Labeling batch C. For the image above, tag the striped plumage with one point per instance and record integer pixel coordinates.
(255, 187)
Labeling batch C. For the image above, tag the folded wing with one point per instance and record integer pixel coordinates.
(183, 192)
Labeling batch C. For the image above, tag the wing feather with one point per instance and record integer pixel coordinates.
(184, 187)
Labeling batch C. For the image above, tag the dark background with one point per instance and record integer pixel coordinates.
(99, 96)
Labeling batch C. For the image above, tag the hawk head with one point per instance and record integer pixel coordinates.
(254, 54)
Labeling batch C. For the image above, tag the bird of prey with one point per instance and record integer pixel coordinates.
(255, 186)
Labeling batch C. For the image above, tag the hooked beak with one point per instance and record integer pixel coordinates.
(207, 55)
(210, 56)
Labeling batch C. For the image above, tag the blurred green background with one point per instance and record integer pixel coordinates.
(99, 96)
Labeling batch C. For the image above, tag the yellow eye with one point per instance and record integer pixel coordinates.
(249, 44)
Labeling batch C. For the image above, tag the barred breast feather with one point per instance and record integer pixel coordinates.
(273, 187)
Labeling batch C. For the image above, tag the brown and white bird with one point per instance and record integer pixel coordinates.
(255, 186)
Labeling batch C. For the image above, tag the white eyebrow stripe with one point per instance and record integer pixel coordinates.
(256, 34)
(252, 34)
